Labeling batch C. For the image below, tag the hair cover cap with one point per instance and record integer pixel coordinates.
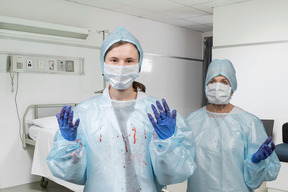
(120, 34)
(222, 67)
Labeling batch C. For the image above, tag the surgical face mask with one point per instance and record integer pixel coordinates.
(121, 77)
(218, 93)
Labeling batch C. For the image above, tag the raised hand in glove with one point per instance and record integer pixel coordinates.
(165, 121)
(65, 120)
(264, 151)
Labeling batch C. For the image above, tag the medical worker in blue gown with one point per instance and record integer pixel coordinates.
(114, 143)
(233, 152)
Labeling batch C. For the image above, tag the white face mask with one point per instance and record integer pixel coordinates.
(121, 77)
(218, 93)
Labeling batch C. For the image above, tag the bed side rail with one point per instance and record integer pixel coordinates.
(26, 140)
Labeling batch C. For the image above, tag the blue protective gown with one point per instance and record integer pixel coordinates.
(117, 149)
(225, 143)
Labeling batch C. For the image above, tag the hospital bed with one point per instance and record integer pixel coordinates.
(39, 127)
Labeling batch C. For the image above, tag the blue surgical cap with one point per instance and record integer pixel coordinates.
(222, 67)
(120, 34)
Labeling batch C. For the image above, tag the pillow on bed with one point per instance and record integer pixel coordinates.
(45, 122)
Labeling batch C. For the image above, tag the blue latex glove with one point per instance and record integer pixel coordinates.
(166, 123)
(264, 151)
(65, 121)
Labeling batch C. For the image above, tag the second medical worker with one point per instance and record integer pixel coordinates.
(233, 152)
(117, 141)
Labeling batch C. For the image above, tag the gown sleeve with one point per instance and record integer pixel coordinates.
(68, 159)
(173, 158)
(265, 170)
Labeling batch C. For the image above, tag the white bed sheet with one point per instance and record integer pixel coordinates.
(44, 143)
(33, 130)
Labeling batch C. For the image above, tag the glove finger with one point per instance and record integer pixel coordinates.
(268, 140)
(174, 114)
(157, 115)
(70, 118)
(152, 121)
(68, 109)
(261, 153)
(67, 112)
(58, 119)
(268, 149)
(161, 110)
(265, 152)
(272, 145)
(76, 124)
(166, 108)
(62, 113)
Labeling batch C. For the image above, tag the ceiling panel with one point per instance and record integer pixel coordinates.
(183, 23)
(156, 5)
(185, 12)
(192, 14)
(132, 11)
(160, 17)
(205, 19)
(98, 3)
(191, 2)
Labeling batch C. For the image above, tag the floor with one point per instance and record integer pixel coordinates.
(262, 188)
(35, 187)
(53, 187)
(181, 187)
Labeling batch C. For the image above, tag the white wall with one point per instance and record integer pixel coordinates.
(254, 36)
(254, 21)
(156, 38)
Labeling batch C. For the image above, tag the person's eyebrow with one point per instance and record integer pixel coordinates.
(113, 57)
(130, 58)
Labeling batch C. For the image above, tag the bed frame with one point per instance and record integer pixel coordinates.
(26, 140)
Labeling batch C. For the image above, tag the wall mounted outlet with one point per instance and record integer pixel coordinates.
(40, 64)
(60, 65)
(51, 65)
(29, 64)
(69, 66)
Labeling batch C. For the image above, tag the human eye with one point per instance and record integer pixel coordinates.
(113, 60)
(211, 81)
(130, 61)
(225, 82)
